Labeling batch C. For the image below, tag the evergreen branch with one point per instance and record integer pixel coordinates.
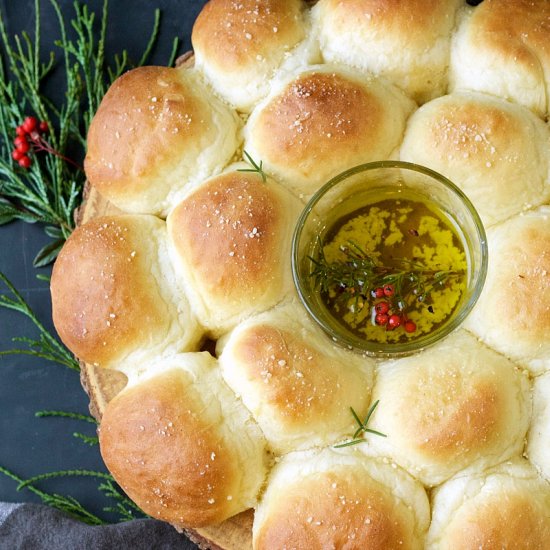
(89, 440)
(66, 414)
(69, 505)
(152, 39)
(47, 346)
(49, 187)
(124, 506)
(64, 473)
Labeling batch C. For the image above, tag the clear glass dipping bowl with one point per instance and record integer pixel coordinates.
(356, 187)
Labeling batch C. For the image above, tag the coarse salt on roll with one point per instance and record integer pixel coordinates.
(297, 383)
(323, 120)
(340, 499)
(503, 48)
(505, 507)
(182, 446)
(115, 297)
(512, 314)
(455, 406)
(406, 42)
(497, 152)
(240, 45)
(538, 440)
(230, 240)
(157, 132)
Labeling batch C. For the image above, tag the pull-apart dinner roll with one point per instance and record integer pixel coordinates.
(297, 383)
(505, 507)
(157, 131)
(231, 244)
(538, 441)
(182, 446)
(512, 314)
(498, 153)
(340, 499)
(240, 45)
(322, 121)
(114, 294)
(455, 406)
(406, 42)
(503, 48)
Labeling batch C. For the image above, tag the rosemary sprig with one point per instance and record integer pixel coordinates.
(352, 280)
(362, 428)
(257, 168)
(46, 346)
(49, 190)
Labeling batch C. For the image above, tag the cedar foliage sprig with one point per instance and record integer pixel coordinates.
(66, 504)
(124, 507)
(45, 346)
(50, 189)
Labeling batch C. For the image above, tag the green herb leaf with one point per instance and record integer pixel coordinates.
(47, 346)
(363, 427)
(48, 253)
(257, 168)
(52, 187)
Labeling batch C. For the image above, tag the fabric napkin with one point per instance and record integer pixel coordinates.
(39, 527)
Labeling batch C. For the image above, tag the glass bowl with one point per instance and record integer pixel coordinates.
(346, 194)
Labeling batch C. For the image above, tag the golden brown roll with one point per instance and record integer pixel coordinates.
(340, 499)
(115, 297)
(406, 42)
(538, 441)
(501, 48)
(322, 121)
(240, 45)
(157, 132)
(498, 153)
(505, 507)
(297, 383)
(182, 446)
(455, 406)
(231, 243)
(513, 311)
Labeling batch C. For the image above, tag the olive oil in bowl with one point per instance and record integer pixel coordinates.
(389, 257)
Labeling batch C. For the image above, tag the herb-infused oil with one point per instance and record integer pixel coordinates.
(392, 270)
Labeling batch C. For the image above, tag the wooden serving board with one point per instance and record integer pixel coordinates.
(102, 385)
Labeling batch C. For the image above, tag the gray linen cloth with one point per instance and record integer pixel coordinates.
(39, 527)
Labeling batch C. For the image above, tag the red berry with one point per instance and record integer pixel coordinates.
(21, 144)
(388, 290)
(382, 307)
(378, 292)
(25, 161)
(43, 127)
(394, 321)
(20, 131)
(410, 326)
(381, 319)
(17, 154)
(30, 124)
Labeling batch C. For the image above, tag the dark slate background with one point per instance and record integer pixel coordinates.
(30, 445)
